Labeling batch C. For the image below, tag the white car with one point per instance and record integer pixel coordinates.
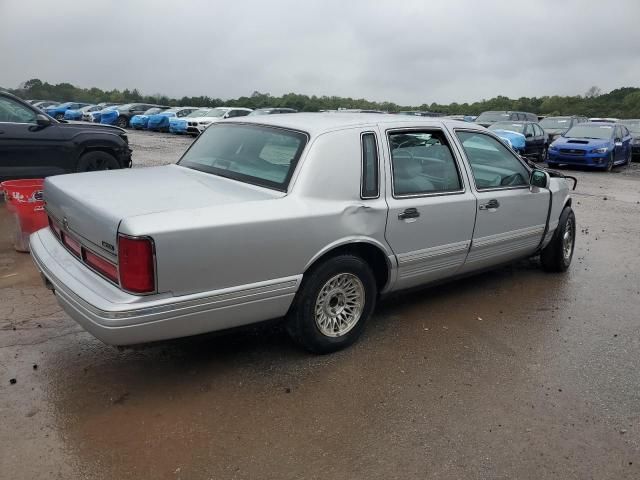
(197, 125)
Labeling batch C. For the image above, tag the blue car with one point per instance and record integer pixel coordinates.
(58, 111)
(77, 114)
(139, 122)
(179, 124)
(593, 144)
(160, 121)
(97, 115)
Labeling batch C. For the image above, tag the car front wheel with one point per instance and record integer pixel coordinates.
(557, 255)
(95, 161)
(333, 304)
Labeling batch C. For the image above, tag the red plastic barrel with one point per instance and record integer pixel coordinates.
(24, 200)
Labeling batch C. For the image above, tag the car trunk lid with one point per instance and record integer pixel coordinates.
(91, 205)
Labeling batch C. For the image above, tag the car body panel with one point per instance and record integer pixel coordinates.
(229, 253)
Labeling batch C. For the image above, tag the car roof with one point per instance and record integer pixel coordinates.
(317, 123)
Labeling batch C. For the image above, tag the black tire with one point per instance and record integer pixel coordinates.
(629, 155)
(553, 257)
(96, 161)
(59, 116)
(122, 122)
(609, 166)
(301, 319)
(542, 157)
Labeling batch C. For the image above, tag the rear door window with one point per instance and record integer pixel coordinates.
(422, 163)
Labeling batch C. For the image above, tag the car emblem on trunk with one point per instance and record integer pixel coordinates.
(65, 223)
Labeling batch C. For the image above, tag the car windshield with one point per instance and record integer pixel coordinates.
(88, 108)
(492, 117)
(509, 126)
(112, 107)
(254, 154)
(153, 111)
(632, 125)
(556, 122)
(63, 105)
(602, 132)
(199, 113)
(216, 112)
(126, 106)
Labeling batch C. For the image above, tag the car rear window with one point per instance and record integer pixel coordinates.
(256, 154)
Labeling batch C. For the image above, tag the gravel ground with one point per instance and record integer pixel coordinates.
(509, 374)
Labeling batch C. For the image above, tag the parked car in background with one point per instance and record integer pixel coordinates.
(34, 145)
(179, 125)
(486, 119)
(197, 125)
(251, 232)
(633, 125)
(419, 113)
(601, 145)
(272, 111)
(526, 138)
(603, 120)
(139, 122)
(557, 126)
(58, 111)
(77, 114)
(121, 115)
(159, 122)
(43, 104)
(96, 116)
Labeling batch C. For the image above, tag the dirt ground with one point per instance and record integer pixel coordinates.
(509, 374)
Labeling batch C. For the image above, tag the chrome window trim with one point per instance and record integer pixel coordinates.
(473, 178)
(362, 167)
(456, 163)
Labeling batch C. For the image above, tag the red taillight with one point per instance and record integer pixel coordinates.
(55, 228)
(136, 264)
(72, 245)
(101, 265)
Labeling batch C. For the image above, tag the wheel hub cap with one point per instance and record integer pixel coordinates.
(339, 305)
(567, 241)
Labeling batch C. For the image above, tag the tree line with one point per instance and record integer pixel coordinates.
(621, 102)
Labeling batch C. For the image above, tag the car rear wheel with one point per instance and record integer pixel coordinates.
(95, 161)
(543, 154)
(122, 122)
(59, 116)
(334, 302)
(557, 255)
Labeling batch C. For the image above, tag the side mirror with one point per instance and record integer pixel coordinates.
(42, 120)
(540, 179)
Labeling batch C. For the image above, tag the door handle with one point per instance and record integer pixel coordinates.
(409, 213)
(490, 205)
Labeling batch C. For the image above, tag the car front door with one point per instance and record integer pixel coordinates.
(540, 138)
(28, 150)
(431, 206)
(511, 217)
(529, 138)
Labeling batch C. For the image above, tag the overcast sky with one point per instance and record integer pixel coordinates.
(405, 51)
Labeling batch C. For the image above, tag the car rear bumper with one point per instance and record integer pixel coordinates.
(118, 318)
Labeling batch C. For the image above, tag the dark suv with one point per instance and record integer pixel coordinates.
(486, 119)
(32, 144)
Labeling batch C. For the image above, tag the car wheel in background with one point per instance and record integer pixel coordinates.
(59, 116)
(95, 161)
(122, 121)
(334, 302)
(629, 155)
(543, 154)
(556, 257)
(609, 166)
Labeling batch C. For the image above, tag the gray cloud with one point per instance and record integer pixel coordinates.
(409, 51)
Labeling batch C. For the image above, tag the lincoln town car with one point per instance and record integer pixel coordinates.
(308, 218)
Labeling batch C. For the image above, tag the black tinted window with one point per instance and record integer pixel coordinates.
(369, 166)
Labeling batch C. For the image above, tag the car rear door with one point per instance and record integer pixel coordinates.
(511, 217)
(619, 144)
(431, 206)
(27, 150)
